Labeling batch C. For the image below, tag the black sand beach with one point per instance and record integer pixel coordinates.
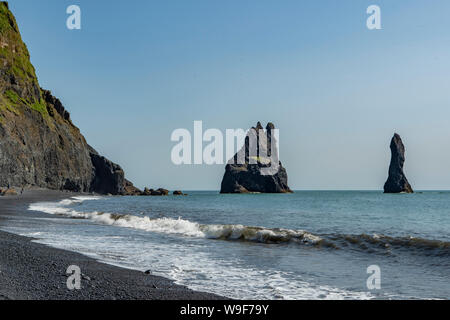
(32, 271)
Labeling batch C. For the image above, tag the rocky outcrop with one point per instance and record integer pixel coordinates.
(256, 167)
(397, 182)
(152, 192)
(108, 177)
(162, 192)
(54, 104)
(130, 189)
(39, 144)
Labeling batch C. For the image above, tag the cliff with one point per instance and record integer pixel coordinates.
(39, 144)
(397, 182)
(256, 168)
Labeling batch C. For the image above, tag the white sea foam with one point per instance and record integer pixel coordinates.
(177, 226)
(190, 265)
(226, 268)
(196, 268)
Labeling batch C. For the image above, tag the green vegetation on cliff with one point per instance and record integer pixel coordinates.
(12, 96)
(18, 82)
(40, 146)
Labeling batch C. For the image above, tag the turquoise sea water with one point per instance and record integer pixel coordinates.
(306, 245)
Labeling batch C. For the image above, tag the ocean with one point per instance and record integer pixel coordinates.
(306, 245)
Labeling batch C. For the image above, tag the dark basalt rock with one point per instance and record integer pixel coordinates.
(152, 192)
(54, 103)
(397, 182)
(256, 169)
(108, 177)
(146, 192)
(159, 192)
(130, 189)
(39, 144)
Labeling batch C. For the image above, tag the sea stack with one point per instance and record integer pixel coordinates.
(255, 168)
(397, 182)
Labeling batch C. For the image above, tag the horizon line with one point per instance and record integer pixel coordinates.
(333, 190)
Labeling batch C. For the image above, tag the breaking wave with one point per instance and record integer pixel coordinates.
(180, 226)
(382, 242)
(237, 232)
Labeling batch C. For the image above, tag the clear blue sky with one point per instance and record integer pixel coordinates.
(140, 69)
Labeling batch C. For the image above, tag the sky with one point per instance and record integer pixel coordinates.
(138, 70)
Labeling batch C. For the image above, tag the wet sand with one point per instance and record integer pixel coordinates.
(32, 271)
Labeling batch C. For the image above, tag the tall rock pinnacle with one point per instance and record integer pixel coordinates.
(256, 167)
(397, 182)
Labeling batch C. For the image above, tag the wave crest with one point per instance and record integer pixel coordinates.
(181, 226)
(375, 241)
(238, 232)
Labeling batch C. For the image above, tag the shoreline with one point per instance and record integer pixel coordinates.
(33, 271)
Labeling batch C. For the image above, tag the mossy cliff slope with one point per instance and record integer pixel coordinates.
(39, 144)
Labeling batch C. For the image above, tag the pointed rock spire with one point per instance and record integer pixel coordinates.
(397, 182)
